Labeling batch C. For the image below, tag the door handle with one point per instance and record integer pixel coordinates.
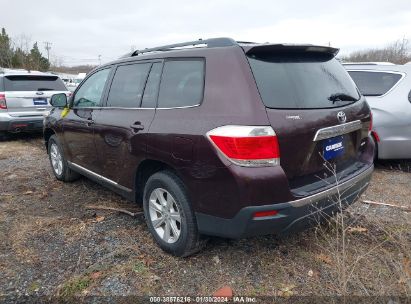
(137, 126)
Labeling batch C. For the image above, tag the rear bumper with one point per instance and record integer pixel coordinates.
(292, 216)
(19, 124)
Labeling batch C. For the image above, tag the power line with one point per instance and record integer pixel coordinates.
(47, 46)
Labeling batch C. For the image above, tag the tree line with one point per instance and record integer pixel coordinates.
(18, 55)
(398, 52)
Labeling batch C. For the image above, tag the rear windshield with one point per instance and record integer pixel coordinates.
(374, 83)
(302, 80)
(33, 83)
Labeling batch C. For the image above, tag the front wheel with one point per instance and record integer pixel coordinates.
(169, 216)
(58, 162)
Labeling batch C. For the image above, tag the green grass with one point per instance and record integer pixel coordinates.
(74, 286)
(34, 286)
(140, 268)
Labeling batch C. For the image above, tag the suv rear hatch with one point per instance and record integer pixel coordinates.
(315, 109)
(29, 95)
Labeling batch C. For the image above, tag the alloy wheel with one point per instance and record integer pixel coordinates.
(165, 215)
(56, 159)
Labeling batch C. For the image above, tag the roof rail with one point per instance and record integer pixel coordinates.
(369, 63)
(212, 42)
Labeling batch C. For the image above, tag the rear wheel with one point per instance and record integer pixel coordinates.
(169, 216)
(58, 162)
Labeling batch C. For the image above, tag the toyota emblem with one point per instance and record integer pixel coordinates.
(341, 117)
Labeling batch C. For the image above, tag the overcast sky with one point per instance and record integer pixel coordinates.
(81, 30)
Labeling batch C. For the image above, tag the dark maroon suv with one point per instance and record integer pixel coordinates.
(218, 137)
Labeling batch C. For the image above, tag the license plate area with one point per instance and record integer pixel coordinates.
(40, 101)
(333, 147)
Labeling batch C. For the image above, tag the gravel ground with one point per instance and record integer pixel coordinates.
(50, 244)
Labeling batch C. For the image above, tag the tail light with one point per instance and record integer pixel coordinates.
(3, 104)
(375, 134)
(250, 146)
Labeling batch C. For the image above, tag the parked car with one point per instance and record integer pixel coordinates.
(223, 138)
(387, 88)
(24, 99)
(76, 81)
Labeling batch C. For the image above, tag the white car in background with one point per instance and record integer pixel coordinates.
(25, 98)
(73, 83)
(387, 88)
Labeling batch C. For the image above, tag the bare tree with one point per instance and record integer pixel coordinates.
(56, 61)
(21, 46)
(398, 52)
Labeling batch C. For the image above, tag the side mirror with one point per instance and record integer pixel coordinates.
(59, 100)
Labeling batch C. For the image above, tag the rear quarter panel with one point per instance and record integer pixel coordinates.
(178, 138)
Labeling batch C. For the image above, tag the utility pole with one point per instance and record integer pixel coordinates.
(99, 59)
(47, 46)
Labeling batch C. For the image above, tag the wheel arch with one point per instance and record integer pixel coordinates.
(145, 169)
(48, 132)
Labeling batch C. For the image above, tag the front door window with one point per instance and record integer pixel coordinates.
(91, 91)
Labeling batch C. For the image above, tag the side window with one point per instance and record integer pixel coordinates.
(151, 90)
(374, 83)
(128, 84)
(182, 83)
(91, 91)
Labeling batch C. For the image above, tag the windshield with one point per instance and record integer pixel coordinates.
(33, 83)
(302, 80)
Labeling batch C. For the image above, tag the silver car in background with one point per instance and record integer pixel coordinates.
(25, 98)
(387, 88)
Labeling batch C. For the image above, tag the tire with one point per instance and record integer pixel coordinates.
(174, 205)
(58, 163)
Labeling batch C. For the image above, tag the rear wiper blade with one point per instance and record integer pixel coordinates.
(341, 97)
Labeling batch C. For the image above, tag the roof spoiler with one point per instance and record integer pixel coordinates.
(287, 48)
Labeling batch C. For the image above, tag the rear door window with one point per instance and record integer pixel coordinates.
(127, 88)
(33, 83)
(302, 80)
(372, 83)
(182, 83)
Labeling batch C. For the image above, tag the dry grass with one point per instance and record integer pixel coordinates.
(51, 244)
